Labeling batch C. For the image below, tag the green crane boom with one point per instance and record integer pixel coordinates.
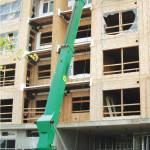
(45, 123)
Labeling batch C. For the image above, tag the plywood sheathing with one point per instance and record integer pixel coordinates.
(58, 32)
(34, 81)
(66, 115)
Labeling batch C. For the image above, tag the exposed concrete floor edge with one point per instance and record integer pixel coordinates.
(81, 124)
(105, 123)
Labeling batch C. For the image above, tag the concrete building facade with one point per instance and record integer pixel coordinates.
(106, 103)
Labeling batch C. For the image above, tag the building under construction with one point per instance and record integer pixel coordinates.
(106, 103)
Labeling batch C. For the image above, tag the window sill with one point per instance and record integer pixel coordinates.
(106, 36)
(46, 47)
(121, 75)
(79, 76)
(83, 40)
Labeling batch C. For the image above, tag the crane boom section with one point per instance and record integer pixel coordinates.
(44, 123)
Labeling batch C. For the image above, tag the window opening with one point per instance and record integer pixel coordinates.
(26, 108)
(34, 105)
(82, 50)
(80, 104)
(6, 106)
(32, 133)
(44, 71)
(28, 75)
(8, 134)
(40, 105)
(46, 38)
(7, 144)
(124, 102)
(10, 11)
(84, 31)
(115, 23)
(124, 60)
(7, 75)
(81, 67)
(32, 40)
(112, 23)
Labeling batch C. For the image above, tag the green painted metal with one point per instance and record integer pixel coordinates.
(54, 102)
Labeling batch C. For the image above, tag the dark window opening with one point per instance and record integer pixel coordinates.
(128, 18)
(32, 40)
(112, 21)
(7, 144)
(119, 22)
(131, 96)
(84, 31)
(81, 49)
(123, 60)
(32, 133)
(81, 67)
(112, 98)
(7, 134)
(26, 103)
(112, 62)
(4, 133)
(44, 71)
(40, 104)
(80, 104)
(125, 102)
(46, 38)
(7, 75)
(131, 59)
(28, 75)
(6, 110)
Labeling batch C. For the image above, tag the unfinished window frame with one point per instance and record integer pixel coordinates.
(87, 38)
(78, 58)
(122, 63)
(133, 28)
(41, 7)
(4, 78)
(38, 39)
(110, 108)
(44, 71)
(28, 76)
(9, 13)
(10, 106)
(40, 110)
(81, 102)
(30, 112)
(32, 40)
